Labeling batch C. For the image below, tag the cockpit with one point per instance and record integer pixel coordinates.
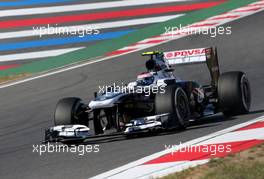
(145, 79)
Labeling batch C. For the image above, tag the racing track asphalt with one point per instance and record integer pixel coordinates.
(27, 109)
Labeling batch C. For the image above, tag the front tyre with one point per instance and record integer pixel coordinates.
(234, 93)
(174, 101)
(70, 111)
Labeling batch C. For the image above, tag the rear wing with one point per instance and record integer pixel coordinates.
(198, 55)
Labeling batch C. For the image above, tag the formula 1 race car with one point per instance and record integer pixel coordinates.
(157, 100)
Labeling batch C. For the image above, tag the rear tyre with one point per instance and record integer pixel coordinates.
(174, 101)
(234, 93)
(69, 111)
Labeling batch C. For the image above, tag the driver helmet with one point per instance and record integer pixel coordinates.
(145, 79)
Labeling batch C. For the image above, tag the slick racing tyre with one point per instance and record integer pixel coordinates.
(70, 111)
(175, 102)
(234, 93)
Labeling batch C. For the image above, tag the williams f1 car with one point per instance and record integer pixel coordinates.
(157, 100)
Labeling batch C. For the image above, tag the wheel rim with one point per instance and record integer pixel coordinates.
(76, 110)
(181, 107)
(77, 113)
(181, 104)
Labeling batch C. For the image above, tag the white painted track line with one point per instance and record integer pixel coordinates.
(39, 54)
(115, 173)
(80, 7)
(104, 25)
